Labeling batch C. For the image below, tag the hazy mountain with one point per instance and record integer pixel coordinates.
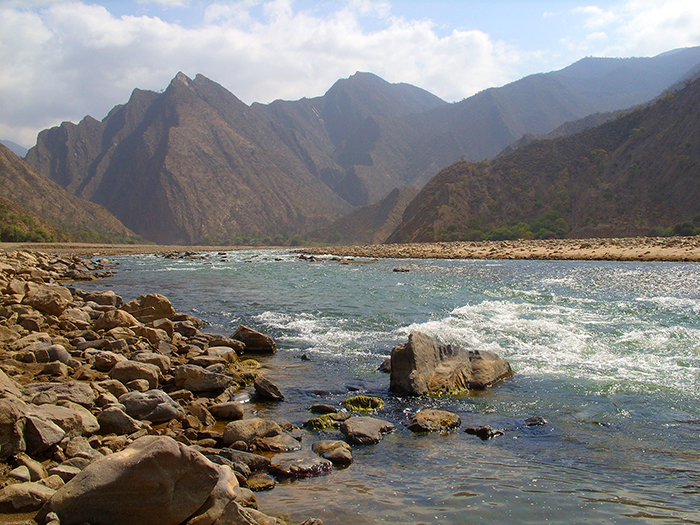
(195, 164)
(634, 174)
(15, 148)
(40, 198)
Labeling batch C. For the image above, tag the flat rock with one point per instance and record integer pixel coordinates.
(154, 405)
(114, 420)
(365, 430)
(431, 420)
(247, 430)
(197, 379)
(24, 497)
(51, 393)
(125, 371)
(230, 410)
(301, 467)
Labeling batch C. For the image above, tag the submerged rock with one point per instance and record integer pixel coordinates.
(365, 430)
(363, 403)
(426, 366)
(431, 420)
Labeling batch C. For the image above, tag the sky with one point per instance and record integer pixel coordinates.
(61, 60)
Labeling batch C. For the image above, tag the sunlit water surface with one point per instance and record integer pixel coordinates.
(608, 353)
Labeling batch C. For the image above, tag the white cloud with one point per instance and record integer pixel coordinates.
(65, 60)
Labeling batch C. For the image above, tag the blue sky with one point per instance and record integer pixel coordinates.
(64, 60)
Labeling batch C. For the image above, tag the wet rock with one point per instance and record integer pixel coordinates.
(254, 341)
(430, 420)
(154, 481)
(485, 432)
(261, 481)
(363, 403)
(266, 389)
(535, 421)
(278, 443)
(153, 405)
(320, 408)
(254, 462)
(230, 410)
(301, 467)
(337, 452)
(247, 430)
(327, 421)
(365, 430)
(424, 366)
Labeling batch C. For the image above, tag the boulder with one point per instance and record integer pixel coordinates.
(247, 430)
(74, 419)
(51, 393)
(266, 389)
(197, 379)
(24, 497)
(113, 420)
(40, 434)
(153, 335)
(365, 430)
(125, 371)
(254, 462)
(431, 420)
(108, 298)
(301, 467)
(12, 423)
(104, 361)
(363, 403)
(8, 387)
(337, 452)
(230, 410)
(154, 481)
(154, 405)
(114, 319)
(426, 366)
(254, 342)
(150, 307)
(282, 442)
(160, 360)
(46, 298)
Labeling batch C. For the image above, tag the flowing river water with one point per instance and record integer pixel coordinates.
(607, 352)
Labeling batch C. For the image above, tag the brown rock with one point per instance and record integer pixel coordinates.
(255, 342)
(115, 319)
(150, 307)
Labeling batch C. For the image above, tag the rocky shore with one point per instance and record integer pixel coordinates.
(613, 249)
(114, 412)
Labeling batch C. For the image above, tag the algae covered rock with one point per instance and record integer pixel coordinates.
(363, 403)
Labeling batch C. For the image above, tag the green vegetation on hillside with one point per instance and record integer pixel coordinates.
(19, 227)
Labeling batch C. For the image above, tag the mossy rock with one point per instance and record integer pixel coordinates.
(363, 403)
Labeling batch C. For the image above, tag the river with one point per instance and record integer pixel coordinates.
(607, 352)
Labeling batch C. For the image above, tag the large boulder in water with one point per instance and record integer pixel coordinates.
(426, 366)
(154, 481)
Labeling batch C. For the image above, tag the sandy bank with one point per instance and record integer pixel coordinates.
(622, 249)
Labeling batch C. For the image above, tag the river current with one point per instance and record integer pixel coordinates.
(607, 352)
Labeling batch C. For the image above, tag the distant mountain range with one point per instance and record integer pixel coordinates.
(636, 174)
(194, 164)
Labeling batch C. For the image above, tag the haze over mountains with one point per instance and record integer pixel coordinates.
(194, 164)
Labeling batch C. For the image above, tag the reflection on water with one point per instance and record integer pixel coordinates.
(606, 352)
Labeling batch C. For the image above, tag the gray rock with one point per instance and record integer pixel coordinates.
(160, 360)
(365, 430)
(114, 420)
(154, 405)
(51, 393)
(431, 420)
(154, 481)
(65, 472)
(424, 366)
(301, 467)
(79, 447)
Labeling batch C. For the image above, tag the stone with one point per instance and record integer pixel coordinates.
(224, 492)
(431, 420)
(8, 387)
(337, 452)
(247, 430)
(254, 462)
(153, 335)
(113, 420)
(114, 387)
(114, 319)
(150, 307)
(58, 353)
(108, 298)
(24, 497)
(125, 371)
(225, 345)
(320, 408)
(154, 481)
(363, 403)
(51, 393)
(282, 442)
(261, 481)
(65, 472)
(254, 341)
(56, 369)
(46, 298)
(301, 467)
(12, 424)
(78, 316)
(365, 430)
(485, 432)
(154, 405)
(230, 410)
(41, 434)
(79, 447)
(160, 360)
(266, 389)
(104, 361)
(197, 379)
(21, 474)
(535, 421)
(426, 366)
(53, 481)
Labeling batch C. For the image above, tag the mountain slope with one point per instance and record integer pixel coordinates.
(48, 201)
(625, 177)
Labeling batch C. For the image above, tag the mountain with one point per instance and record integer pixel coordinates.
(194, 164)
(634, 175)
(370, 224)
(15, 148)
(41, 201)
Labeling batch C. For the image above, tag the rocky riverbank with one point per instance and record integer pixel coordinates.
(614, 249)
